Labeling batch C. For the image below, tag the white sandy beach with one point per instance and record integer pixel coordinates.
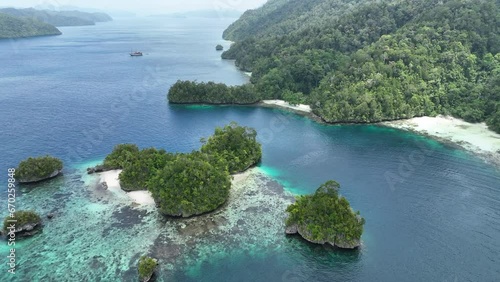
(283, 104)
(139, 197)
(472, 137)
(241, 177)
(145, 197)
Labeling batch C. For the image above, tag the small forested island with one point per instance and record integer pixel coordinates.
(185, 185)
(16, 27)
(146, 268)
(325, 217)
(38, 169)
(219, 47)
(59, 18)
(191, 92)
(236, 144)
(27, 223)
(367, 61)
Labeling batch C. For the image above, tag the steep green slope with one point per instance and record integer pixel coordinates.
(14, 27)
(280, 17)
(366, 62)
(447, 62)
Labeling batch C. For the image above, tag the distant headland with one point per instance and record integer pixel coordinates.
(16, 23)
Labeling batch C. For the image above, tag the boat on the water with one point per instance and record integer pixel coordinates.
(136, 54)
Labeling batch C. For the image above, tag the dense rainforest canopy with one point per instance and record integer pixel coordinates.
(368, 61)
(325, 217)
(188, 92)
(144, 166)
(188, 184)
(236, 144)
(37, 169)
(191, 184)
(15, 27)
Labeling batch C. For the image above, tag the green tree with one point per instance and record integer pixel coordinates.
(325, 216)
(39, 168)
(122, 155)
(22, 217)
(140, 169)
(236, 144)
(146, 267)
(192, 184)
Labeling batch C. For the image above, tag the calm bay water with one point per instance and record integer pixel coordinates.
(432, 211)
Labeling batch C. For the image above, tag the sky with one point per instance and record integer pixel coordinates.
(151, 6)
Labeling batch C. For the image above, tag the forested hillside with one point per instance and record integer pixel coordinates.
(366, 61)
(14, 27)
(59, 18)
(280, 17)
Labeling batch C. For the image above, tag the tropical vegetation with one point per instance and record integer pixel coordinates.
(188, 184)
(37, 169)
(122, 155)
(191, 184)
(368, 61)
(142, 167)
(236, 144)
(189, 92)
(22, 218)
(325, 216)
(146, 268)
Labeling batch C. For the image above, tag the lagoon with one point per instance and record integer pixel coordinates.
(432, 210)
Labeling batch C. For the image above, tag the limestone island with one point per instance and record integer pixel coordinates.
(325, 217)
(186, 185)
(219, 47)
(192, 92)
(22, 224)
(146, 268)
(38, 169)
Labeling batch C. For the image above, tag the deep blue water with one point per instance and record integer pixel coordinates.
(432, 211)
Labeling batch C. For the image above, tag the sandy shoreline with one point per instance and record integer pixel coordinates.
(476, 138)
(144, 197)
(139, 197)
(283, 104)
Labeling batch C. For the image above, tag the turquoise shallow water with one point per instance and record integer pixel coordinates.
(432, 211)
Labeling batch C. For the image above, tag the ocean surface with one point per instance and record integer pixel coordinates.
(432, 211)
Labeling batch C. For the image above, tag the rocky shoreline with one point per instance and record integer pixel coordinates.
(339, 242)
(54, 174)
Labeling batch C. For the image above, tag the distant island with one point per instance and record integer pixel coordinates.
(367, 61)
(325, 217)
(17, 23)
(59, 18)
(16, 27)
